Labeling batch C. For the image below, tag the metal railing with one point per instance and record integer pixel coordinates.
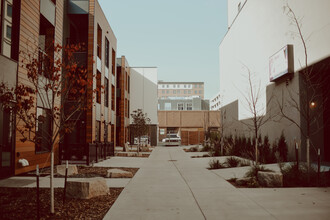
(87, 153)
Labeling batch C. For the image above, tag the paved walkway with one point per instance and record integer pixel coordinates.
(171, 185)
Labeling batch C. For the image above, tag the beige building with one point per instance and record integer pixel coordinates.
(189, 125)
(180, 89)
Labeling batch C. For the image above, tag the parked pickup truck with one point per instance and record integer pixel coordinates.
(172, 140)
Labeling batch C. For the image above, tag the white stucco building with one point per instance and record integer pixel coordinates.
(258, 33)
(143, 85)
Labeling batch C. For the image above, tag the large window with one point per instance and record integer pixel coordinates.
(113, 62)
(180, 106)
(99, 42)
(168, 106)
(98, 87)
(107, 51)
(112, 98)
(106, 92)
(43, 130)
(189, 106)
(98, 131)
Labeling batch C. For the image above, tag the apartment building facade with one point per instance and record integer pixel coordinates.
(180, 89)
(86, 24)
(215, 102)
(192, 103)
(123, 101)
(29, 27)
(26, 26)
(276, 60)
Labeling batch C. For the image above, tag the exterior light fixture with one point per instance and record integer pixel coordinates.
(312, 104)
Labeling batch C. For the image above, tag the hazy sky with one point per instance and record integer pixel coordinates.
(180, 37)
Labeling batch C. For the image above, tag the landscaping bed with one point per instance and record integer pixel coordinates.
(130, 154)
(85, 172)
(20, 203)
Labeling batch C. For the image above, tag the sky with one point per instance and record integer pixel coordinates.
(180, 37)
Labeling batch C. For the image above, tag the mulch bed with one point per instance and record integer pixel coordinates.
(132, 155)
(20, 203)
(85, 172)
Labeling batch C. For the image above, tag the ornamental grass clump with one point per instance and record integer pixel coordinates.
(215, 164)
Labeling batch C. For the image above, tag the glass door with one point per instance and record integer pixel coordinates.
(6, 143)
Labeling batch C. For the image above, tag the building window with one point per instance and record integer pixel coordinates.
(185, 86)
(168, 106)
(167, 86)
(195, 85)
(106, 92)
(129, 83)
(195, 92)
(185, 91)
(8, 32)
(200, 91)
(162, 131)
(189, 91)
(105, 132)
(174, 86)
(163, 86)
(43, 130)
(98, 87)
(107, 50)
(163, 91)
(9, 10)
(178, 86)
(180, 106)
(98, 131)
(167, 92)
(178, 91)
(112, 98)
(189, 106)
(174, 91)
(99, 41)
(200, 86)
(113, 62)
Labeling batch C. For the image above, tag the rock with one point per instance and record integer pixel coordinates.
(72, 169)
(118, 173)
(243, 181)
(87, 188)
(270, 179)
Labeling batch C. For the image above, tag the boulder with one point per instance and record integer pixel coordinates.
(72, 169)
(118, 173)
(87, 188)
(270, 179)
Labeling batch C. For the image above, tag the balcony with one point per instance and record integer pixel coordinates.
(47, 9)
(8, 71)
(78, 6)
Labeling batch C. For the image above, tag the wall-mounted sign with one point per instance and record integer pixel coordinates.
(281, 63)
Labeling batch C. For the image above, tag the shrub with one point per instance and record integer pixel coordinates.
(206, 148)
(193, 149)
(282, 148)
(294, 176)
(253, 172)
(215, 164)
(232, 162)
(267, 153)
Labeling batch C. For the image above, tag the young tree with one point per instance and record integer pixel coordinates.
(308, 101)
(50, 103)
(260, 114)
(140, 125)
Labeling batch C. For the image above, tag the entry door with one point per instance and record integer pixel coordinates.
(6, 143)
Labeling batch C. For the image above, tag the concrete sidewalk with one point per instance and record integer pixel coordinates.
(171, 185)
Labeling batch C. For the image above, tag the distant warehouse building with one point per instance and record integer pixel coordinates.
(263, 40)
(183, 104)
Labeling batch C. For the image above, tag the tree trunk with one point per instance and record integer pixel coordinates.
(308, 159)
(51, 182)
(256, 146)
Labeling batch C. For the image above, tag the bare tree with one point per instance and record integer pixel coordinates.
(308, 101)
(260, 114)
(140, 125)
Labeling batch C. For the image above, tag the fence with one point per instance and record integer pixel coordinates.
(87, 153)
